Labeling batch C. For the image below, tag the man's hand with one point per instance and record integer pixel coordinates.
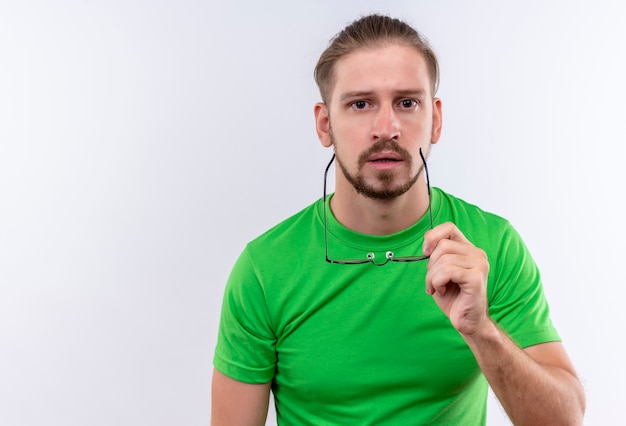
(540, 385)
(457, 277)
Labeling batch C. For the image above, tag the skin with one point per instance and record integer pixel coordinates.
(536, 385)
(368, 105)
(383, 94)
(235, 403)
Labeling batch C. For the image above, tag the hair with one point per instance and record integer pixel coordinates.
(366, 32)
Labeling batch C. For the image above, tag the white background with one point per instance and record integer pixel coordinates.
(143, 143)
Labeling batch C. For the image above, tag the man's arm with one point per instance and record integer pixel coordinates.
(537, 385)
(235, 403)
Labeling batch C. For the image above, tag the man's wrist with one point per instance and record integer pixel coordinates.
(486, 331)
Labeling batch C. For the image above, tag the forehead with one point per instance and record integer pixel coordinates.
(381, 69)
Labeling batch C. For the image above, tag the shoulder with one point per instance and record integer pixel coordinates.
(485, 229)
(268, 262)
(289, 231)
(457, 208)
(273, 249)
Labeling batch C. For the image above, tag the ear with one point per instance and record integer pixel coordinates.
(322, 124)
(437, 120)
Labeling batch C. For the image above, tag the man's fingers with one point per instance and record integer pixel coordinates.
(445, 231)
(458, 269)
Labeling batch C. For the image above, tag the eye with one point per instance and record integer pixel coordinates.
(408, 103)
(359, 104)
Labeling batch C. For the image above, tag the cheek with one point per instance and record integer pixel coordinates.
(353, 132)
(419, 134)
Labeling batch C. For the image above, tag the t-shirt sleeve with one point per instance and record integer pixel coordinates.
(246, 343)
(516, 298)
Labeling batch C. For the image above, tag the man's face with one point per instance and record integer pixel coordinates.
(380, 113)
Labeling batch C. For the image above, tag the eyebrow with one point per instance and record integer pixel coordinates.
(419, 93)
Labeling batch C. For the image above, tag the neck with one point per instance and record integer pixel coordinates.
(379, 217)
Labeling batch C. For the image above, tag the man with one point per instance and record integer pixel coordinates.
(387, 302)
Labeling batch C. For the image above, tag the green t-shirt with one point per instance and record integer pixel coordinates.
(362, 344)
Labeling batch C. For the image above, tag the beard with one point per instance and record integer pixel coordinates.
(387, 186)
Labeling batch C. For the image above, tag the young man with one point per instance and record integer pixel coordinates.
(387, 302)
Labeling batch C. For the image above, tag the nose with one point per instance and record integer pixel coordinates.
(386, 124)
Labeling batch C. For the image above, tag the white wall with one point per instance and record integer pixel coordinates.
(143, 143)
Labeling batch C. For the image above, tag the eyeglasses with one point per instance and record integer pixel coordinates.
(370, 257)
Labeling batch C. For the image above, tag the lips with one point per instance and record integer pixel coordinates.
(385, 157)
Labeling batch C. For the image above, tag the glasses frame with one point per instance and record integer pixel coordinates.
(370, 257)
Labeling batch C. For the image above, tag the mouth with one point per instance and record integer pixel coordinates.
(385, 157)
(385, 160)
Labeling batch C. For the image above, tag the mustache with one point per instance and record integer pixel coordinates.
(384, 145)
